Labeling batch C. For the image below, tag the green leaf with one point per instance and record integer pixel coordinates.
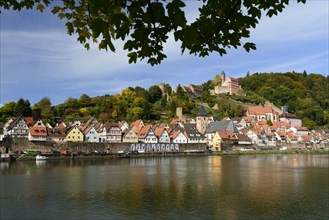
(56, 9)
(40, 7)
(70, 29)
(97, 26)
(248, 46)
(132, 57)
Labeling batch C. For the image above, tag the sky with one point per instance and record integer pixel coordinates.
(39, 59)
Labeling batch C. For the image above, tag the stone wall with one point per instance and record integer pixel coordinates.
(23, 144)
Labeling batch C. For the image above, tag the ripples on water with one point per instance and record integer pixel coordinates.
(194, 187)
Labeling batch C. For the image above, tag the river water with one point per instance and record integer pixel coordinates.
(294, 186)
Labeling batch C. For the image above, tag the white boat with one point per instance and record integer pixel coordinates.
(39, 157)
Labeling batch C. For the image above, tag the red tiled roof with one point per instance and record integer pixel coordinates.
(158, 131)
(233, 79)
(307, 138)
(292, 136)
(247, 118)
(281, 134)
(175, 121)
(136, 123)
(144, 131)
(259, 110)
(175, 134)
(227, 134)
(61, 126)
(29, 120)
(301, 128)
(38, 131)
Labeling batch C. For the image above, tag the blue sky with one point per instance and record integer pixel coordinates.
(39, 59)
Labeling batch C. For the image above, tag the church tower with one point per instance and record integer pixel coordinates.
(201, 120)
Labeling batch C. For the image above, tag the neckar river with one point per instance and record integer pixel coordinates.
(292, 186)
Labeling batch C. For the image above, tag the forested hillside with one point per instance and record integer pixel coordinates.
(306, 95)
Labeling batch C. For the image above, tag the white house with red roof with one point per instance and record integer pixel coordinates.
(137, 123)
(162, 135)
(298, 130)
(178, 137)
(111, 132)
(147, 135)
(37, 133)
(292, 119)
(291, 138)
(91, 135)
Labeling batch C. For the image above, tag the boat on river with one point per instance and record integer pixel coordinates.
(40, 157)
(5, 157)
(125, 155)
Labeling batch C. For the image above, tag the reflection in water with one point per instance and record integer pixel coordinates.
(196, 187)
(4, 168)
(40, 163)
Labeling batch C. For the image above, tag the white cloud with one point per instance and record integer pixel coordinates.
(58, 62)
(298, 22)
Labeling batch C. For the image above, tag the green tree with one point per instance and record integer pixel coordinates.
(135, 113)
(141, 92)
(128, 96)
(84, 100)
(181, 94)
(146, 25)
(207, 86)
(217, 80)
(155, 93)
(23, 108)
(45, 109)
(7, 111)
(168, 89)
(72, 103)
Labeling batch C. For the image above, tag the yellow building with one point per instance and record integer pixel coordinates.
(222, 137)
(130, 137)
(74, 135)
(216, 141)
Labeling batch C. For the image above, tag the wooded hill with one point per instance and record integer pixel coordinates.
(306, 95)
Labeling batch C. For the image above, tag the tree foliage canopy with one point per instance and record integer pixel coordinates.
(145, 25)
(305, 95)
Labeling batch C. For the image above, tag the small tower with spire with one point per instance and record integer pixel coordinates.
(202, 120)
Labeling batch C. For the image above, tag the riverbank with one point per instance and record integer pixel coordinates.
(169, 154)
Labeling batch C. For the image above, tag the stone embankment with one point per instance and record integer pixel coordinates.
(18, 144)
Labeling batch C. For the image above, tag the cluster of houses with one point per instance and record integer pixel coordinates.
(245, 132)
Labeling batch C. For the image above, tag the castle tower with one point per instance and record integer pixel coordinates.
(162, 87)
(223, 76)
(179, 114)
(201, 120)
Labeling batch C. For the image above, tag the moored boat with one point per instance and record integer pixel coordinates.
(5, 157)
(40, 157)
(125, 155)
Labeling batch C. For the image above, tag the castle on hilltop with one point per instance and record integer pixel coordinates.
(228, 86)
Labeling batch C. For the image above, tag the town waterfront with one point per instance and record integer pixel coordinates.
(291, 186)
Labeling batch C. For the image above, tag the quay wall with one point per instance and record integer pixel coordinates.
(23, 144)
